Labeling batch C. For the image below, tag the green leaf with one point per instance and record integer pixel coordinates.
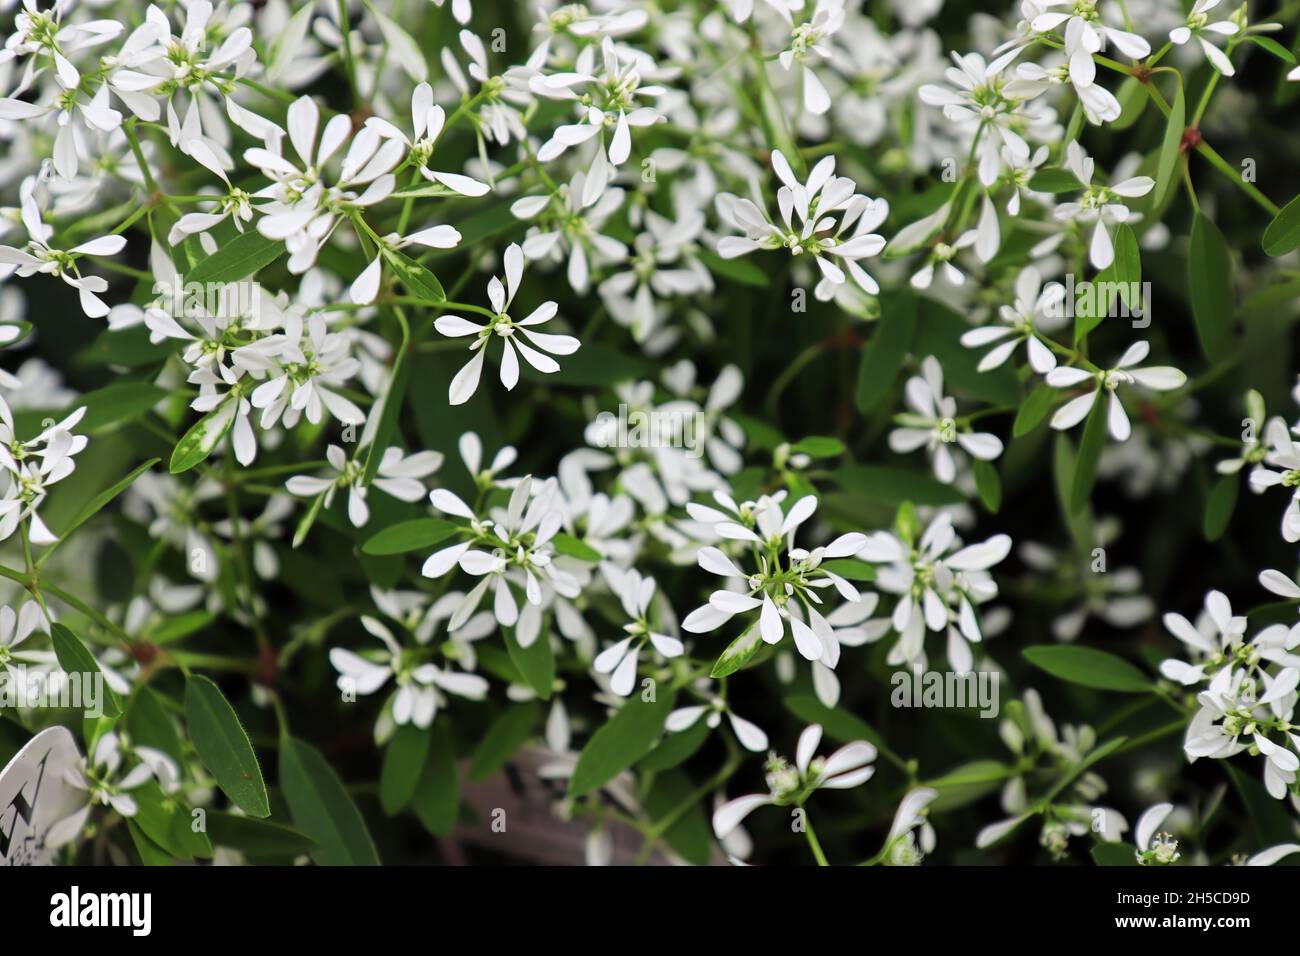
(738, 653)
(204, 435)
(151, 854)
(437, 798)
(150, 725)
(322, 808)
(988, 484)
(506, 735)
(1209, 286)
(1034, 409)
(256, 838)
(676, 748)
(97, 504)
(1088, 667)
(1283, 233)
(1114, 854)
(884, 354)
(689, 834)
(419, 281)
(75, 658)
(169, 823)
(1169, 148)
(1273, 47)
(241, 257)
(1126, 270)
(892, 486)
(1054, 179)
(1133, 99)
(416, 535)
(838, 724)
(567, 544)
(390, 408)
(223, 746)
(114, 404)
(1090, 446)
(939, 334)
(1219, 505)
(737, 270)
(536, 662)
(403, 764)
(851, 568)
(818, 446)
(620, 742)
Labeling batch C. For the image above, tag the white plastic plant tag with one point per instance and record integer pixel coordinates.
(35, 794)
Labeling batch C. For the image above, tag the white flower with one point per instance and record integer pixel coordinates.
(397, 475)
(502, 326)
(1153, 848)
(1282, 454)
(38, 256)
(427, 121)
(1036, 308)
(620, 660)
(784, 593)
(824, 218)
(1161, 378)
(1086, 34)
(933, 424)
(850, 766)
(1198, 24)
(302, 208)
(750, 735)
(1099, 204)
(902, 847)
(418, 696)
(935, 588)
(808, 38)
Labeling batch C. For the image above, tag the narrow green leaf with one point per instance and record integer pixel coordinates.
(115, 404)
(839, 724)
(1169, 148)
(241, 257)
(1114, 854)
(738, 653)
(892, 486)
(75, 658)
(506, 735)
(256, 838)
(204, 435)
(737, 270)
(1034, 409)
(437, 798)
(1053, 179)
(1209, 285)
(101, 500)
(567, 544)
(1090, 446)
(322, 808)
(419, 281)
(223, 746)
(415, 535)
(1283, 233)
(818, 446)
(1219, 505)
(884, 354)
(988, 484)
(536, 662)
(1088, 667)
(390, 409)
(403, 763)
(622, 741)
(1273, 47)
(851, 568)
